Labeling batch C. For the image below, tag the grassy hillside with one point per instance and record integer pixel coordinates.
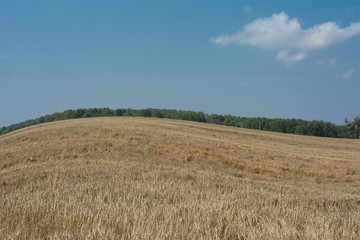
(147, 178)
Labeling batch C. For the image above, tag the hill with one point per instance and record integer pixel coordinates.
(295, 126)
(148, 178)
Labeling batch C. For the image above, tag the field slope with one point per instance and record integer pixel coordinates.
(145, 178)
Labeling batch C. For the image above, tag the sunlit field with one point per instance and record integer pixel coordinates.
(145, 178)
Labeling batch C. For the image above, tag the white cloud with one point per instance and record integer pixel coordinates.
(332, 61)
(329, 62)
(247, 9)
(3, 56)
(283, 55)
(279, 32)
(348, 74)
(320, 62)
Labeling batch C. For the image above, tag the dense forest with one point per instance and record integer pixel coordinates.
(351, 129)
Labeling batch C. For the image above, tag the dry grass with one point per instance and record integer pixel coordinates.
(138, 178)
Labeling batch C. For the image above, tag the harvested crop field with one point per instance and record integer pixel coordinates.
(145, 178)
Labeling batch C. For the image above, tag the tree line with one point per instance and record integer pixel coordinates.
(351, 129)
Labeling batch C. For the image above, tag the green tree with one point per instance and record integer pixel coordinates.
(118, 112)
(217, 119)
(353, 127)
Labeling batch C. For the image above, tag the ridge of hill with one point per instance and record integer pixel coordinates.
(295, 126)
(148, 178)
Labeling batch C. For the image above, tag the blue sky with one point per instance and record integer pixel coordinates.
(287, 59)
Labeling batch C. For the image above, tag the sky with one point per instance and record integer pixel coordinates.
(250, 58)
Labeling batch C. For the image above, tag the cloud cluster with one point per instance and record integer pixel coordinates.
(279, 32)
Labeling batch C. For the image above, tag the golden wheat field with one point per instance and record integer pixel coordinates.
(145, 178)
